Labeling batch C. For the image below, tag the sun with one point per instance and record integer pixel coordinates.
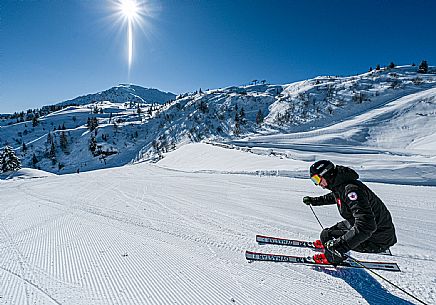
(132, 14)
(129, 9)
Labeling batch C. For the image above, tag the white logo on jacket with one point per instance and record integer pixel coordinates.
(352, 196)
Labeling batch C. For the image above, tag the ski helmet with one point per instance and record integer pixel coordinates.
(323, 168)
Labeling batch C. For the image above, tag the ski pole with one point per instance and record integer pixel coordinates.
(316, 216)
(370, 270)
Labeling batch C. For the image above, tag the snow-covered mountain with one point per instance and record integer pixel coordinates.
(123, 93)
(134, 130)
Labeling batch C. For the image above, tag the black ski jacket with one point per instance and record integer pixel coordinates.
(367, 214)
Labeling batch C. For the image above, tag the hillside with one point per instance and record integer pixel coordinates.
(394, 143)
(136, 130)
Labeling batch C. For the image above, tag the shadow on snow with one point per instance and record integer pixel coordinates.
(366, 285)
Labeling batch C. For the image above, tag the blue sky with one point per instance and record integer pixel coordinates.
(53, 50)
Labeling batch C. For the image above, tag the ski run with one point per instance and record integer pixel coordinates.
(144, 234)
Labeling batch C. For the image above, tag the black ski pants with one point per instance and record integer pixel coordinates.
(343, 227)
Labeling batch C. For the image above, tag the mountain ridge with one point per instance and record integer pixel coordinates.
(110, 133)
(123, 93)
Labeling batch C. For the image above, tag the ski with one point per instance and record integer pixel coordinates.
(263, 240)
(270, 240)
(255, 256)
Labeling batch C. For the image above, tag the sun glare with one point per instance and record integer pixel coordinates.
(129, 9)
(131, 14)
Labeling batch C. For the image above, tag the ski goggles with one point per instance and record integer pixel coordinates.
(316, 179)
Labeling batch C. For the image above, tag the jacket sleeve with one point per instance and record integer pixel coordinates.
(324, 200)
(364, 220)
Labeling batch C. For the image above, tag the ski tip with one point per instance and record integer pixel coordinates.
(261, 236)
(396, 268)
(249, 256)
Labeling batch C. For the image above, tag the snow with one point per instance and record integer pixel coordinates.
(168, 233)
(25, 173)
(203, 157)
(175, 231)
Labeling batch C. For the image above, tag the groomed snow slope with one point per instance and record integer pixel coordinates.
(144, 234)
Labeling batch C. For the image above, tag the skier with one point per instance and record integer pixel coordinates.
(368, 224)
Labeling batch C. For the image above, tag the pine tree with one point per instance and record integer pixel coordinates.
(35, 121)
(242, 116)
(63, 141)
(93, 145)
(423, 67)
(49, 138)
(237, 117)
(52, 152)
(92, 123)
(203, 107)
(8, 160)
(34, 160)
(259, 117)
(237, 128)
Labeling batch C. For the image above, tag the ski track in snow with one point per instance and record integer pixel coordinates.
(146, 235)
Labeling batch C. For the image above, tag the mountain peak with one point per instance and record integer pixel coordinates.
(123, 93)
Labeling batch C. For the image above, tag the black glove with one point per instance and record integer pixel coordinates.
(333, 252)
(307, 200)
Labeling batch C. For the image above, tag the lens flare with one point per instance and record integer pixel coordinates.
(130, 42)
(129, 9)
(132, 14)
